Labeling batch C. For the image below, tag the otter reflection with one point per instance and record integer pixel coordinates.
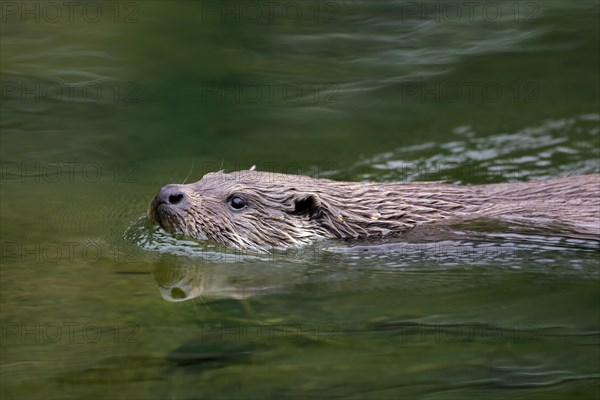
(373, 267)
(220, 281)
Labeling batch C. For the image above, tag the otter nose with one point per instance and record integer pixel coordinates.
(170, 194)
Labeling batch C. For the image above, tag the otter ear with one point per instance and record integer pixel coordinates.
(308, 204)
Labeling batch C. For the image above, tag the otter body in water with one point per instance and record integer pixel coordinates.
(262, 210)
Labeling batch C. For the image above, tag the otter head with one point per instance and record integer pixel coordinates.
(246, 209)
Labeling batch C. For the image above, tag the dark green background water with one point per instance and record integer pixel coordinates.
(104, 103)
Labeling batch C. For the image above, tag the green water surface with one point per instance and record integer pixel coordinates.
(105, 102)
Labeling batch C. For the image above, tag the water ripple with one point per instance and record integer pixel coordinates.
(533, 152)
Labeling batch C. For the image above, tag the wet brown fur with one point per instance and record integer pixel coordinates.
(289, 210)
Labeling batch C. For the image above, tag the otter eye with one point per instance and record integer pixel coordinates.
(237, 203)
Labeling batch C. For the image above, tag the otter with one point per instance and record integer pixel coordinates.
(262, 210)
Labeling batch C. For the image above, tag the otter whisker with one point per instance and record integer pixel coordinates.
(189, 173)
